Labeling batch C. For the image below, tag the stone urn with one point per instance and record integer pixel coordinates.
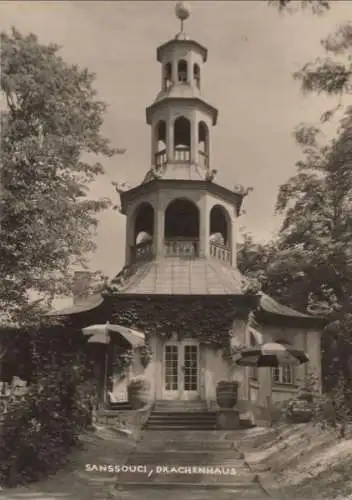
(227, 393)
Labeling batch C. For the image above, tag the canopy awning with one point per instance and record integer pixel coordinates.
(99, 338)
(101, 334)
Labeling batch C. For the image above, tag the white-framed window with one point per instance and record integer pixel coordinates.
(283, 374)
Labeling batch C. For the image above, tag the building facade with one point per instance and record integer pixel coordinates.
(180, 284)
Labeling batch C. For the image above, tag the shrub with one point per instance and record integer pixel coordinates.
(40, 430)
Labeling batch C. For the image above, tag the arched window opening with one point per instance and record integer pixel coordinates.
(182, 139)
(167, 75)
(182, 71)
(196, 74)
(143, 232)
(203, 143)
(160, 139)
(220, 235)
(181, 220)
(220, 226)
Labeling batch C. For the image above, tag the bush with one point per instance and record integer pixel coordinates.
(40, 430)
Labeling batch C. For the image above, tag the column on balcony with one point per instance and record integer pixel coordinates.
(203, 227)
(170, 140)
(194, 142)
(159, 222)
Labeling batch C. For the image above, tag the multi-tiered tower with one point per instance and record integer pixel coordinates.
(179, 211)
(180, 284)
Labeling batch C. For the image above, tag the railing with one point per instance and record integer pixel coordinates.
(182, 154)
(143, 251)
(181, 248)
(220, 252)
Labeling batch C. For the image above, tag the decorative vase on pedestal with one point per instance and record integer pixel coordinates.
(226, 394)
(138, 393)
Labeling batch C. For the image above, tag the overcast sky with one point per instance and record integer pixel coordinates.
(253, 52)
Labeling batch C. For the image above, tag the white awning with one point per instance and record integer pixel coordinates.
(99, 338)
(100, 334)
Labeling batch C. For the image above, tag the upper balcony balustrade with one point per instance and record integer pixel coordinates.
(181, 154)
(185, 247)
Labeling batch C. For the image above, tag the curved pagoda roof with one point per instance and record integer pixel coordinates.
(182, 277)
(179, 276)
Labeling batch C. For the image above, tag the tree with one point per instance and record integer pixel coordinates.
(317, 207)
(51, 144)
(317, 6)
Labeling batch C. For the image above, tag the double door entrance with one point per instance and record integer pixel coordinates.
(181, 370)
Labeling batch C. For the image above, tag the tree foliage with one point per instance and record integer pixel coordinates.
(317, 6)
(309, 266)
(51, 141)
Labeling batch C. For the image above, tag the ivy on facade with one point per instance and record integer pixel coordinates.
(207, 319)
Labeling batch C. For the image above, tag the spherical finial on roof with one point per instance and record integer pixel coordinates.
(183, 10)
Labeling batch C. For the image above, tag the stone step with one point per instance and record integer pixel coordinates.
(225, 458)
(180, 445)
(179, 409)
(173, 411)
(175, 491)
(215, 435)
(198, 420)
(182, 421)
(180, 427)
(239, 487)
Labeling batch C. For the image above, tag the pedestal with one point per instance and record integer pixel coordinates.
(227, 419)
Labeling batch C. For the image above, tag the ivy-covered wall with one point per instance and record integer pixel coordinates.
(208, 319)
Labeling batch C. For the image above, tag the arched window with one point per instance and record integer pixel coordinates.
(182, 139)
(160, 144)
(203, 143)
(196, 74)
(182, 220)
(220, 226)
(182, 71)
(143, 223)
(167, 75)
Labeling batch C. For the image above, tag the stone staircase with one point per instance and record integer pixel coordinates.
(181, 416)
(194, 461)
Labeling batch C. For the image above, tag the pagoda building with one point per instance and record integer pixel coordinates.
(180, 285)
